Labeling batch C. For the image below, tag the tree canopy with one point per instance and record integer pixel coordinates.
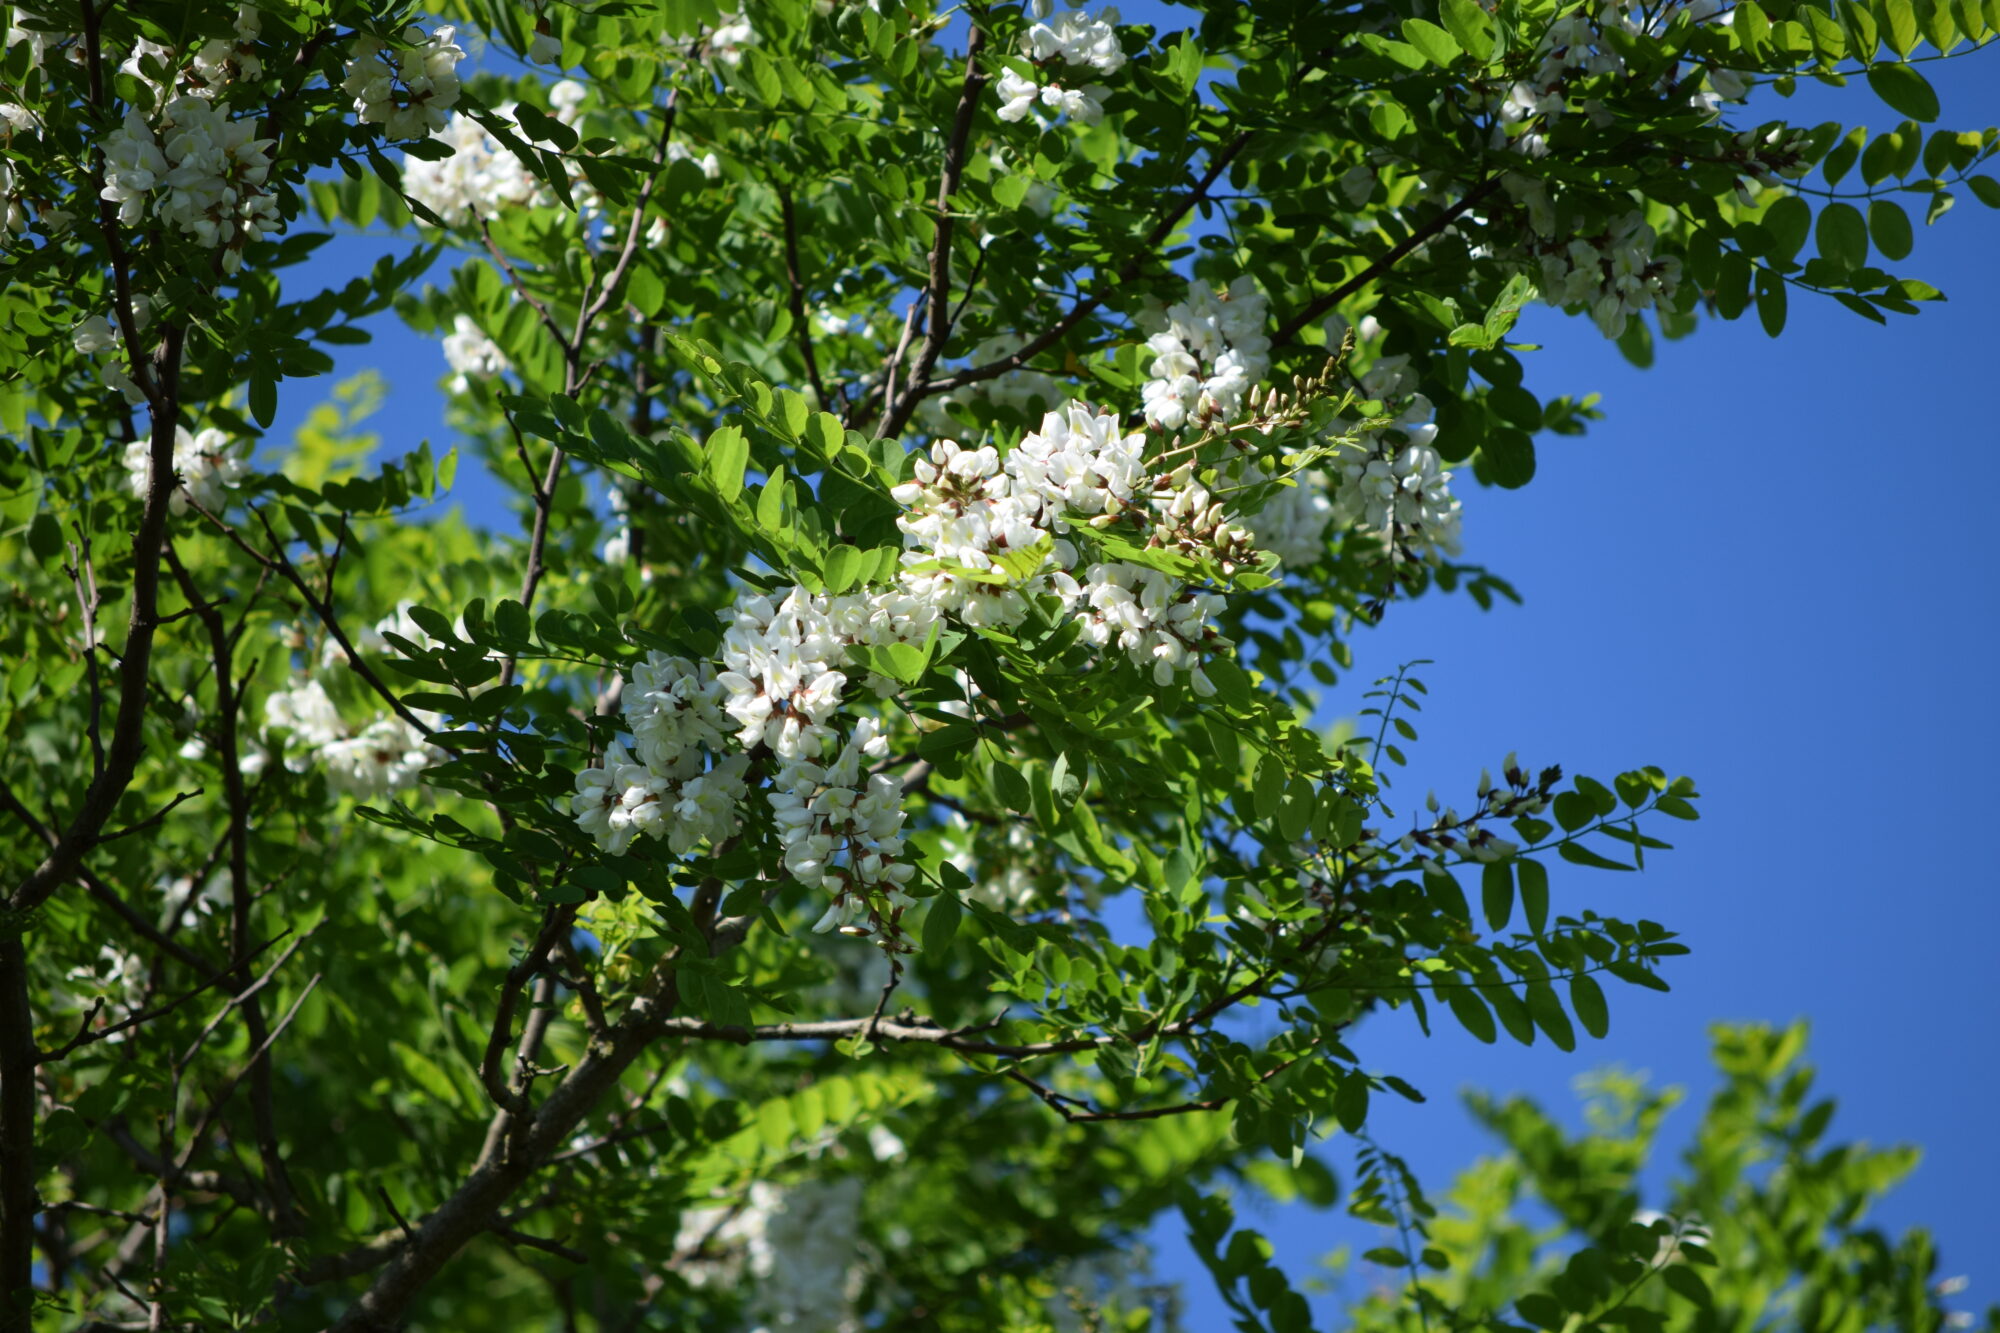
(873, 833)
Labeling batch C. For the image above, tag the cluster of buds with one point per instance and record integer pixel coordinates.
(1272, 408)
(1191, 521)
(1768, 156)
(1450, 833)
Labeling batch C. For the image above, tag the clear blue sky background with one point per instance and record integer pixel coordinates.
(1766, 568)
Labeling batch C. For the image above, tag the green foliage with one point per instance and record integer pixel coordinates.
(330, 995)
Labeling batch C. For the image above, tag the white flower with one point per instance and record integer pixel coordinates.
(624, 799)
(208, 465)
(546, 49)
(1017, 95)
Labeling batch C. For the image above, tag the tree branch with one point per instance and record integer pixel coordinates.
(1395, 254)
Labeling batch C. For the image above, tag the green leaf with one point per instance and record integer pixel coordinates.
(1898, 19)
(1789, 222)
(1534, 881)
(725, 458)
(1470, 1011)
(1683, 1281)
(1985, 189)
(1889, 226)
(1435, 43)
(1905, 90)
(1470, 26)
(1771, 298)
(1496, 893)
(1350, 1101)
(1587, 998)
(1578, 854)
(941, 923)
(45, 536)
(1267, 789)
(1011, 787)
(1547, 1011)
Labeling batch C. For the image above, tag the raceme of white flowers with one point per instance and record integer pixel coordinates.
(1056, 44)
(1613, 274)
(406, 89)
(207, 465)
(382, 757)
(1208, 350)
(203, 173)
(471, 354)
(792, 1249)
(1395, 483)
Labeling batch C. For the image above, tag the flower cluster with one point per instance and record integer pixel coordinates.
(204, 173)
(1208, 350)
(1292, 524)
(207, 465)
(407, 89)
(471, 354)
(482, 177)
(1394, 482)
(1160, 625)
(1068, 40)
(1613, 274)
(383, 757)
(842, 832)
(795, 1244)
(983, 536)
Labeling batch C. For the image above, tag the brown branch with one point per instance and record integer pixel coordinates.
(1101, 292)
(796, 292)
(228, 704)
(101, 891)
(127, 739)
(1389, 259)
(938, 291)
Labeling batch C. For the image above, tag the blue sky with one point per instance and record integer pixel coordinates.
(1764, 569)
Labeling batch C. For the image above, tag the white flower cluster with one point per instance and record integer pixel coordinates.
(470, 353)
(1292, 525)
(1208, 351)
(842, 831)
(1614, 274)
(982, 537)
(208, 465)
(481, 177)
(204, 173)
(408, 89)
(1072, 39)
(1159, 623)
(1395, 483)
(1575, 46)
(383, 757)
(792, 1249)
(677, 789)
